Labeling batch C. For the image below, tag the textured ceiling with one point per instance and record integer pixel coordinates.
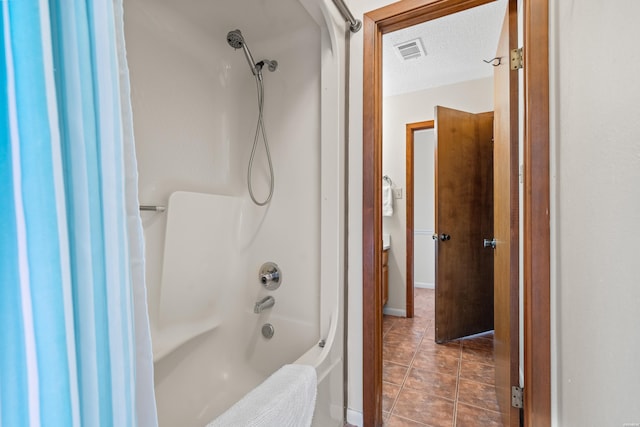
(455, 46)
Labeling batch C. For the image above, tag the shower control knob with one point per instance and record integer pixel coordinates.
(270, 276)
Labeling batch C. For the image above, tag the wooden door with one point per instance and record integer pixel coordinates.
(506, 219)
(463, 219)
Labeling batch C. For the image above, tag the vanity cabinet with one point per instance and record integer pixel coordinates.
(385, 276)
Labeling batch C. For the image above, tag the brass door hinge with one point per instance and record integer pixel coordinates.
(516, 59)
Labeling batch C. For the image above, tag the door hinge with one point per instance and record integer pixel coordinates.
(516, 59)
(516, 396)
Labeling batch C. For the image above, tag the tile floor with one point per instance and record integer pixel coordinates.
(427, 384)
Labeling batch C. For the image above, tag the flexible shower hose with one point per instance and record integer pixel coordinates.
(260, 129)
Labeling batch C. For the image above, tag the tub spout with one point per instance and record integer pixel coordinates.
(263, 304)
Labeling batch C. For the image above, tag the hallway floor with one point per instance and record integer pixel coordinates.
(427, 384)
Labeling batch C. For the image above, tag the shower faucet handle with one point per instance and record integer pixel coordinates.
(270, 276)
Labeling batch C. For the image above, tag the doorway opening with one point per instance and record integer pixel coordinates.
(427, 277)
(536, 198)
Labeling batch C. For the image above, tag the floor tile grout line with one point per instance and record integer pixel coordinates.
(414, 421)
(455, 403)
(480, 407)
(406, 374)
(404, 379)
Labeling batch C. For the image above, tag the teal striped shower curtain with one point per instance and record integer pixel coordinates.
(74, 333)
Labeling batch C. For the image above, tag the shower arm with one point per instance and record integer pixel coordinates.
(271, 64)
(354, 24)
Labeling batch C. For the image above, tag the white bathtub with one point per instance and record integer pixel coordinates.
(213, 371)
(206, 375)
(194, 115)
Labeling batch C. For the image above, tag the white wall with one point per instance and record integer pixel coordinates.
(596, 212)
(195, 110)
(595, 218)
(475, 96)
(423, 207)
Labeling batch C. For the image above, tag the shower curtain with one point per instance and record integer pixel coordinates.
(75, 347)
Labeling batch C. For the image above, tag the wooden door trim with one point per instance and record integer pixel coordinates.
(536, 198)
(507, 224)
(537, 272)
(411, 128)
(372, 226)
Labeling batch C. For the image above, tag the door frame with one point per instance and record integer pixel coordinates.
(536, 235)
(411, 128)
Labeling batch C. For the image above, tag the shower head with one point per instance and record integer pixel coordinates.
(236, 41)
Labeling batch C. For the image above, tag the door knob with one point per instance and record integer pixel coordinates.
(490, 243)
(445, 237)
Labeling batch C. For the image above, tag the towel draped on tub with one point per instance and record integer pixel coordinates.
(286, 399)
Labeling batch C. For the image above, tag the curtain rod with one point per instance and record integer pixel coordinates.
(355, 24)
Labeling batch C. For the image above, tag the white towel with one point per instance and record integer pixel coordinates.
(387, 198)
(286, 399)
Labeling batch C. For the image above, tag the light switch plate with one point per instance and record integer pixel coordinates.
(397, 193)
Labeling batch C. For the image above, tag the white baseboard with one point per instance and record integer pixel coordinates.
(394, 312)
(424, 285)
(355, 418)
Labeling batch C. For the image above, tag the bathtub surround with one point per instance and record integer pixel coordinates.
(197, 271)
(75, 343)
(195, 110)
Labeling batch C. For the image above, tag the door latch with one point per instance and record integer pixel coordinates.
(442, 237)
(490, 243)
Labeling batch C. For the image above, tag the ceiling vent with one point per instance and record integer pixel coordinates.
(411, 49)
